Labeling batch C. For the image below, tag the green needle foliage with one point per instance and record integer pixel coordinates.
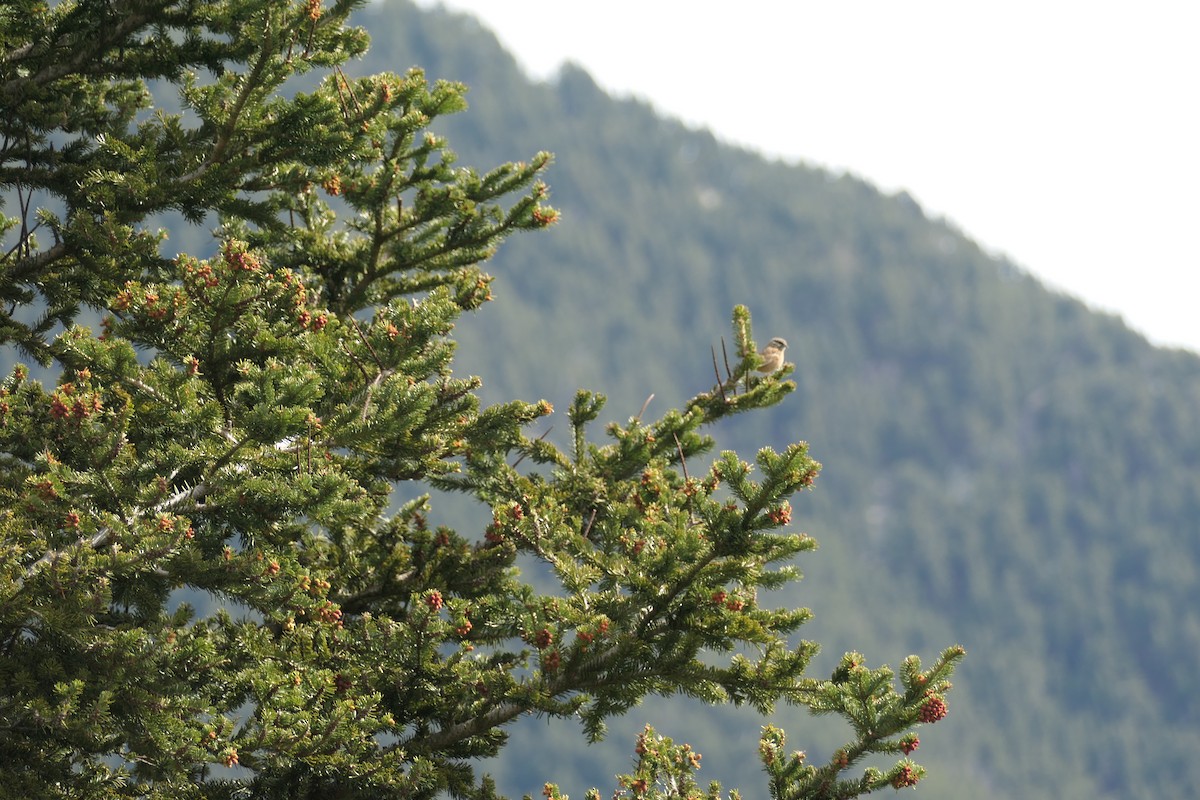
(237, 425)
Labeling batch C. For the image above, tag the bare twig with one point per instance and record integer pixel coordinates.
(538, 439)
(728, 371)
(717, 373)
(365, 340)
(644, 405)
(682, 460)
(383, 372)
(349, 91)
(588, 528)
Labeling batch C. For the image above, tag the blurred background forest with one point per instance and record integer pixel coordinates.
(1003, 467)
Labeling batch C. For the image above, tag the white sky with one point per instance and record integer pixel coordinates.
(1063, 134)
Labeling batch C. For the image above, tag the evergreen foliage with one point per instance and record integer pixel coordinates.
(239, 423)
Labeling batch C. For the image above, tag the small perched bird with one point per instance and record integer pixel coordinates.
(772, 355)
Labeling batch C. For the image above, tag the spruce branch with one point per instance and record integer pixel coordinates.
(124, 18)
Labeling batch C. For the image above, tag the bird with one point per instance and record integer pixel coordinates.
(772, 355)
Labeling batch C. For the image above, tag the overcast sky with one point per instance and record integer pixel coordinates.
(1065, 135)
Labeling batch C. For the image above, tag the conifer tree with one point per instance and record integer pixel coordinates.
(236, 425)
